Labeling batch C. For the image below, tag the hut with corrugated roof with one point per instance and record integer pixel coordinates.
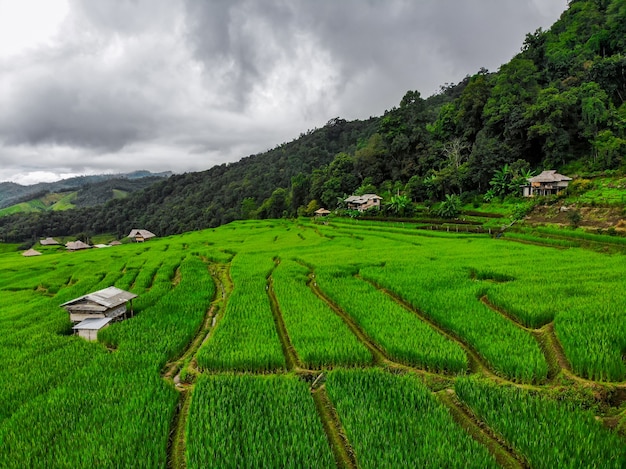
(96, 310)
(88, 329)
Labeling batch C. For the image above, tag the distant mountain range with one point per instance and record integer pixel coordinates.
(88, 190)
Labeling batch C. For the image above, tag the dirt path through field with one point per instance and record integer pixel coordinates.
(183, 371)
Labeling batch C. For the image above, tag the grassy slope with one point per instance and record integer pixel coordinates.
(41, 385)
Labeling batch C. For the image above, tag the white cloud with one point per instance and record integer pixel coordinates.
(160, 85)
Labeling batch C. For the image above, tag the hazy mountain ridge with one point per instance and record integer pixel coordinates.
(12, 193)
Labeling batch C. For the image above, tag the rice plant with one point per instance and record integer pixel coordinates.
(395, 421)
(319, 336)
(399, 332)
(254, 421)
(245, 339)
(548, 433)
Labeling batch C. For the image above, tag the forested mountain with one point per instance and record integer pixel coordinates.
(93, 189)
(558, 104)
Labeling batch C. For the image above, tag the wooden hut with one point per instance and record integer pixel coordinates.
(141, 235)
(547, 183)
(49, 242)
(322, 212)
(76, 245)
(88, 329)
(363, 202)
(31, 253)
(107, 303)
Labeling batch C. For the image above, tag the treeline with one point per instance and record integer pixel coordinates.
(558, 104)
(197, 200)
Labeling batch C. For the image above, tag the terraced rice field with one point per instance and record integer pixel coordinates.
(298, 344)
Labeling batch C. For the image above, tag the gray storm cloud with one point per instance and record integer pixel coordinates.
(154, 84)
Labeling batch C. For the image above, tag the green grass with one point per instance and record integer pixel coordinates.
(548, 433)
(319, 336)
(250, 421)
(116, 409)
(395, 421)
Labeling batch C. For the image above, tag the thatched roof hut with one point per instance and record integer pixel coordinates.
(321, 212)
(141, 235)
(49, 242)
(31, 253)
(76, 245)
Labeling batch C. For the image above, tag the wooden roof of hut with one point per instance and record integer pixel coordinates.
(549, 176)
(48, 242)
(322, 212)
(31, 253)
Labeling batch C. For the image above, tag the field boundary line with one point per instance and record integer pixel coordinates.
(481, 432)
(292, 359)
(557, 348)
(475, 361)
(546, 343)
(379, 354)
(511, 317)
(177, 445)
(343, 452)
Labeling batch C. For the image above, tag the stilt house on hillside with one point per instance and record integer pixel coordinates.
(363, 202)
(547, 183)
(96, 310)
(141, 235)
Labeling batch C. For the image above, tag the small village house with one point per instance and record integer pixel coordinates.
(547, 183)
(363, 202)
(49, 242)
(109, 303)
(141, 235)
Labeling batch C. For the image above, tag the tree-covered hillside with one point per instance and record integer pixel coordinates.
(558, 104)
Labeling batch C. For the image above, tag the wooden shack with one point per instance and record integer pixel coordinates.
(547, 183)
(107, 303)
(88, 329)
(141, 235)
(363, 202)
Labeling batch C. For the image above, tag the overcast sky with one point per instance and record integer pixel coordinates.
(95, 86)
